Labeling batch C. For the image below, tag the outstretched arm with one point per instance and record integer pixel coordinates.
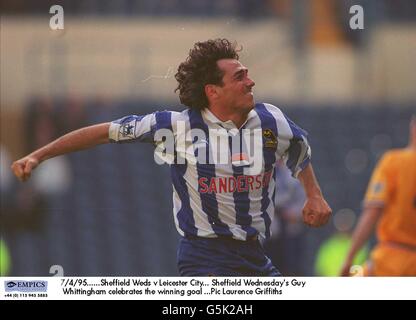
(80, 139)
(316, 211)
(361, 234)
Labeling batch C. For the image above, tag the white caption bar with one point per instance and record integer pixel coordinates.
(206, 288)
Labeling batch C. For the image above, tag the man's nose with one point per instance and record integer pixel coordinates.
(250, 83)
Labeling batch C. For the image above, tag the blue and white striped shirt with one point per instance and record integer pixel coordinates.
(220, 198)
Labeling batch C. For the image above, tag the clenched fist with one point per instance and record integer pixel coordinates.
(316, 212)
(23, 168)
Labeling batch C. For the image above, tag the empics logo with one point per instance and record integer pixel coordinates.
(26, 286)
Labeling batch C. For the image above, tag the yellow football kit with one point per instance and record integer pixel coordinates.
(393, 188)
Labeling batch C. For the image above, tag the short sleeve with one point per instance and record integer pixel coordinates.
(379, 189)
(299, 151)
(139, 128)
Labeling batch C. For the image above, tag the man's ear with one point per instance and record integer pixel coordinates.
(211, 91)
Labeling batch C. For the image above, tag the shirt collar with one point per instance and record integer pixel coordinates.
(208, 115)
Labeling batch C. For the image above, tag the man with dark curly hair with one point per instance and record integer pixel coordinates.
(221, 208)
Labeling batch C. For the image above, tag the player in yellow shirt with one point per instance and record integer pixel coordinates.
(390, 202)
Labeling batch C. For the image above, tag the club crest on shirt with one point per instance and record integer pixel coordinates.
(270, 140)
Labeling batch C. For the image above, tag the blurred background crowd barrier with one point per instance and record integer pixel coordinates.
(108, 211)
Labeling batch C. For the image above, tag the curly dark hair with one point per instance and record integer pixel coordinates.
(200, 68)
